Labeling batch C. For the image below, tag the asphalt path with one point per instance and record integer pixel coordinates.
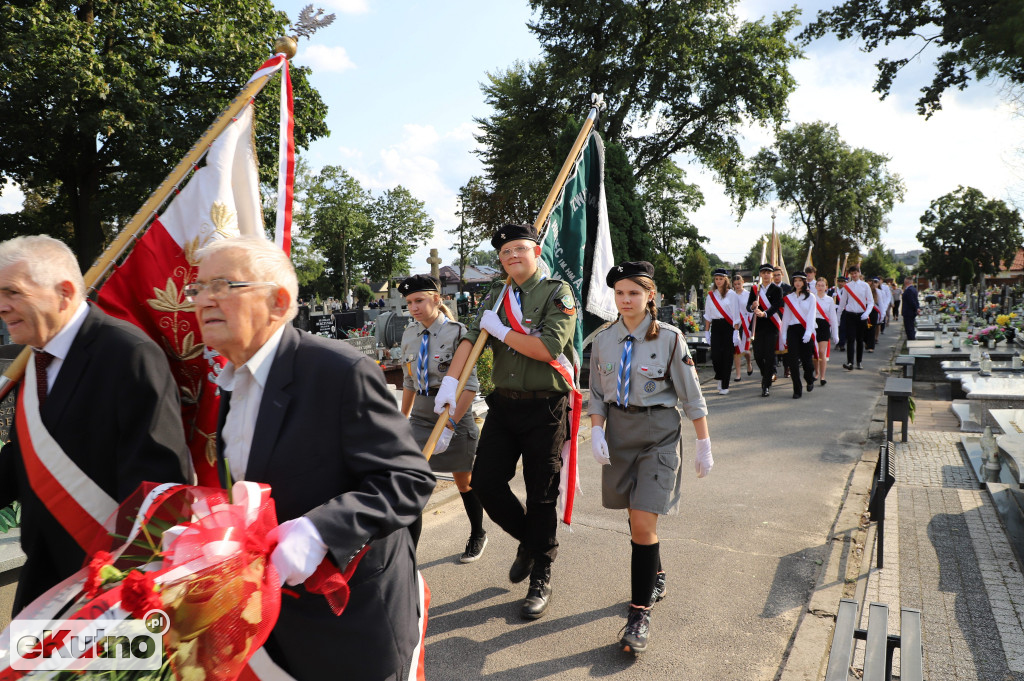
(742, 555)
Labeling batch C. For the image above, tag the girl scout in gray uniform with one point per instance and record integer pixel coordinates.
(427, 348)
(640, 369)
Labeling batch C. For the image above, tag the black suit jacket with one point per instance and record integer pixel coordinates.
(333, 446)
(765, 324)
(114, 410)
(910, 302)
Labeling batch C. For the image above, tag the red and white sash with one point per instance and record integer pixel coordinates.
(828, 348)
(81, 506)
(853, 295)
(767, 305)
(720, 308)
(796, 313)
(569, 482)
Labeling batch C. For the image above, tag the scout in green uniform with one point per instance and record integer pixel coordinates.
(640, 370)
(428, 345)
(528, 410)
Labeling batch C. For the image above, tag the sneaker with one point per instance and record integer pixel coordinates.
(723, 391)
(659, 588)
(637, 630)
(474, 549)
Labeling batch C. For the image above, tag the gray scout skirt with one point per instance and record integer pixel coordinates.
(461, 452)
(645, 472)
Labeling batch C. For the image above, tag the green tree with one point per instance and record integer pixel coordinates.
(469, 232)
(966, 272)
(400, 224)
(963, 224)
(667, 197)
(362, 293)
(115, 93)
(840, 196)
(696, 271)
(977, 39)
(336, 217)
(677, 78)
(666, 276)
(792, 248)
(878, 263)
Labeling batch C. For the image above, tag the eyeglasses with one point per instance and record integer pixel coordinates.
(518, 251)
(216, 287)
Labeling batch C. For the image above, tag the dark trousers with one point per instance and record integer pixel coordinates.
(869, 333)
(799, 353)
(535, 430)
(855, 331)
(910, 325)
(896, 308)
(722, 350)
(765, 341)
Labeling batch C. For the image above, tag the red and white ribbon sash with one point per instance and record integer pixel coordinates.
(569, 482)
(796, 313)
(720, 308)
(285, 151)
(80, 505)
(828, 348)
(853, 295)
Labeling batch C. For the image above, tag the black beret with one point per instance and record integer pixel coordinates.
(417, 283)
(640, 268)
(507, 233)
(720, 272)
(799, 275)
(767, 267)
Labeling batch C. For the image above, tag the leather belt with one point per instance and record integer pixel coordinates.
(632, 409)
(528, 394)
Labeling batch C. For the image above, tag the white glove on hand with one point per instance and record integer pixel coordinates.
(707, 337)
(446, 395)
(444, 440)
(866, 316)
(703, 461)
(299, 551)
(736, 337)
(491, 323)
(807, 337)
(599, 447)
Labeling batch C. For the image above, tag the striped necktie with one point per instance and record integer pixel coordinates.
(622, 386)
(421, 364)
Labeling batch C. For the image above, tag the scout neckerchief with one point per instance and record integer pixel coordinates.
(849, 292)
(793, 306)
(80, 505)
(622, 382)
(423, 384)
(569, 481)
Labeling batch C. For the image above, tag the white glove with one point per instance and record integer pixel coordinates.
(599, 447)
(866, 316)
(491, 323)
(736, 337)
(445, 439)
(446, 395)
(707, 337)
(703, 461)
(299, 550)
(807, 337)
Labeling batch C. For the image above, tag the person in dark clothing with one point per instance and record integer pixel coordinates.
(911, 308)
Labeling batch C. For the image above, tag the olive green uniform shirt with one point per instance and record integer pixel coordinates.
(549, 313)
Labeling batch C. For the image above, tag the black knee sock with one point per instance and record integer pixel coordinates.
(645, 563)
(474, 511)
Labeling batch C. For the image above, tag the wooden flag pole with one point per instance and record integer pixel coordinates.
(138, 224)
(542, 217)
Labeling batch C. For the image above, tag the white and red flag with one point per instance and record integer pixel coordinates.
(220, 200)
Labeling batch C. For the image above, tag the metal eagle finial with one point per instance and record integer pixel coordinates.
(310, 22)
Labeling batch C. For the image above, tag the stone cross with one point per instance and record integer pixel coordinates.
(434, 262)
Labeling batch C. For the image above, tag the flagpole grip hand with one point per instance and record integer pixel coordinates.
(492, 324)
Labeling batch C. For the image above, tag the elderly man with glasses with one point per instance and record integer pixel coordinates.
(356, 485)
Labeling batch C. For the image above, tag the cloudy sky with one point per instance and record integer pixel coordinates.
(402, 82)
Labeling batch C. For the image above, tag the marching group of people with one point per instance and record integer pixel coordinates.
(798, 323)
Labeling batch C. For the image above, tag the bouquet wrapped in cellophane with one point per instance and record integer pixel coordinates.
(196, 558)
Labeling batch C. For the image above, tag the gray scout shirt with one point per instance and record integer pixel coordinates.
(661, 374)
(444, 339)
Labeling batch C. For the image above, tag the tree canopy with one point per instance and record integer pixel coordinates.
(667, 197)
(336, 219)
(964, 224)
(838, 195)
(400, 223)
(976, 39)
(100, 99)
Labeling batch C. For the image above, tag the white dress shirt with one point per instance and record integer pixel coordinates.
(862, 290)
(246, 384)
(60, 345)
